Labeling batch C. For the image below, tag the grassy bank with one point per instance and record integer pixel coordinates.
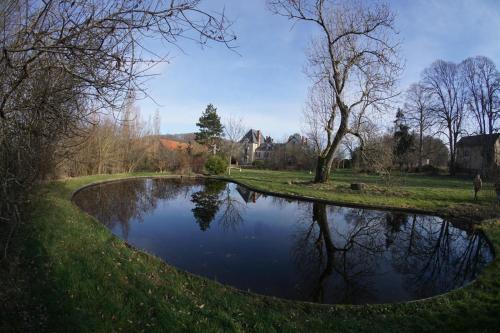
(439, 194)
(67, 272)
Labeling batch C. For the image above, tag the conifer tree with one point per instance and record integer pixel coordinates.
(403, 139)
(210, 128)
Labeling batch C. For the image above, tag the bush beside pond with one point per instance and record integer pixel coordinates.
(216, 165)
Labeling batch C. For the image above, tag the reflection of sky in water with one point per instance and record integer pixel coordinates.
(292, 249)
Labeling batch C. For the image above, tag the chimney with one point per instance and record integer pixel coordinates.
(258, 137)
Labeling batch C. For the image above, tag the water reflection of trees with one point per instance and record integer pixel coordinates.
(231, 217)
(217, 197)
(341, 254)
(336, 262)
(118, 203)
(342, 262)
(206, 203)
(436, 256)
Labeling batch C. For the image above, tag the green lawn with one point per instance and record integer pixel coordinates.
(67, 272)
(438, 194)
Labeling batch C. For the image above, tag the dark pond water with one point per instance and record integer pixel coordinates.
(292, 249)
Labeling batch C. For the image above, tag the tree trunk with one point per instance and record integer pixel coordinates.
(452, 151)
(420, 150)
(322, 171)
(325, 160)
(452, 164)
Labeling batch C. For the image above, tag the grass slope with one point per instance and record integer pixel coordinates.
(438, 194)
(69, 273)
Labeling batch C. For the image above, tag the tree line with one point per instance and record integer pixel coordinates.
(450, 101)
(354, 63)
(65, 63)
(455, 99)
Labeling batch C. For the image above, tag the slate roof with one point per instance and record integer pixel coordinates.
(252, 136)
(247, 195)
(478, 140)
(295, 139)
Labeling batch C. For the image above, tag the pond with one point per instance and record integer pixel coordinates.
(299, 250)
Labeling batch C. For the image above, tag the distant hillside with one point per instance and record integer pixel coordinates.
(185, 137)
(173, 144)
(181, 141)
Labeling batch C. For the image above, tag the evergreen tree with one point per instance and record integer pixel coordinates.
(210, 128)
(403, 139)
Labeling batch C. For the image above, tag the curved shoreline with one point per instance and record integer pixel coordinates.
(347, 204)
(440, 213)
(81, 277)
(462, 219)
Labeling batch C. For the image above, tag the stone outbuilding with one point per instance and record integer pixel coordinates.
(479, 153)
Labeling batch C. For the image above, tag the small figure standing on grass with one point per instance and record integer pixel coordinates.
(478, 183)
(497, 190)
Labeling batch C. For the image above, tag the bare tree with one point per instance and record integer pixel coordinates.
(61, 62)
(97, 43)
(104, 138)
(318, 115)
(418, 109)
(482, 82)
(156, 139)
(134, 135)
(355, 54)
(444, 83)
(376, 154)
(234, 131)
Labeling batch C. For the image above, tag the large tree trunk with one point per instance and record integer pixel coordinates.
(325, 160)
(322, 171)
(452, 168)
(324, 165)
(420, 148)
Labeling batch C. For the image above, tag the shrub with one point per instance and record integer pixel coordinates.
(258, 164)
(216, 165)
(430, 170)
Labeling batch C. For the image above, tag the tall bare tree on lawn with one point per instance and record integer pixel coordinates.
(418, 108)
(356, 55)
(444, 82)
(482, 85)
(234, 131)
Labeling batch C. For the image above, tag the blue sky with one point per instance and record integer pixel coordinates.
(264, 83)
